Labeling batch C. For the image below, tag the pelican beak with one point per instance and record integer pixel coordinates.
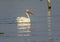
(29, 12)
(32, 14)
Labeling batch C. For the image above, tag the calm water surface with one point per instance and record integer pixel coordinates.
(11, 9)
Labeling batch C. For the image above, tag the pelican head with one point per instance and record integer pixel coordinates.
(28, 11)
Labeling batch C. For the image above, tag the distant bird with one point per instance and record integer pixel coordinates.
(25, 19)
(41, 0)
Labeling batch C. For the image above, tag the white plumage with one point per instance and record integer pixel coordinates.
(24, 19)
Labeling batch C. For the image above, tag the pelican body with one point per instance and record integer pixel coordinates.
(23, 23)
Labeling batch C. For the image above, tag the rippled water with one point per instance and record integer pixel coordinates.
(39, 32)
(11, 9)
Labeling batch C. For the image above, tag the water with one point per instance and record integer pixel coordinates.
(38, 32)
(11, 9)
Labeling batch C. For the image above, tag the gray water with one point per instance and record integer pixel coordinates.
(11, 9)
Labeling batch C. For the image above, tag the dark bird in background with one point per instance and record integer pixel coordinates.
(41, 0)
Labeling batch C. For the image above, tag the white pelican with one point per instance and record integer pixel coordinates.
(24, 19)
(24, 22)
